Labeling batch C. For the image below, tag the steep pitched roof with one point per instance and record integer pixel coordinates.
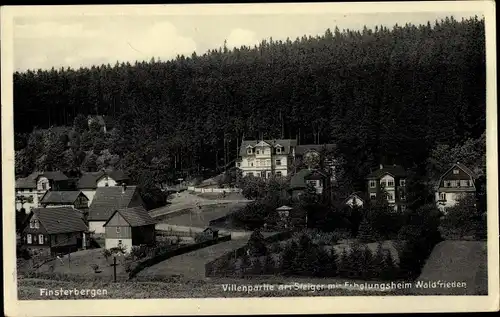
(463, 168)
(298, 180)
(467, 170)
(59, 197)
(30, 180)
(135, 216)
(301, 149)
(360, 195)
(89, 180)
(285, 143)
(60, 220)
(109, 199)
(394, 170)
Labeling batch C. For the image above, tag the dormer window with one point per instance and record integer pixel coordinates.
(258, 152)
(455, 171)
(278, 150)
(249, 150)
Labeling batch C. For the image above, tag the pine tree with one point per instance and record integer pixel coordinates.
(390, 269)
(366, 233)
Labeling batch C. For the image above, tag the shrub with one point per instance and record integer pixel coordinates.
(366, 232)
(138, 252)
(106, 253)
(269, 265)
(256, 244)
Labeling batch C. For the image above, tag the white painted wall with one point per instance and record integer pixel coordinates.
(101, 182)
(97, 226)
(27, 193)
(113, 243)
(354, 199)
(90, 195)
(451, 200)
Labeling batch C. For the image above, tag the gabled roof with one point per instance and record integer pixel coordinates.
(30, 180)
(60, 219)
(393, 170)
(302, 149)
(134, 216)
(286, 143)
(89, 180)
(461, 166)
(298, 180)
(109, 199)
(60, 197)
(360, 195)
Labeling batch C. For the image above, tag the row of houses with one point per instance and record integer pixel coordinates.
(266, 158)
(62, 219)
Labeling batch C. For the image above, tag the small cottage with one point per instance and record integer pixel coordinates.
(54, 230)
(75, 199)
(356, 199)
(128, 227)
(109, 199)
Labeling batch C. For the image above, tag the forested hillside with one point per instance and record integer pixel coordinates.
(382, 95)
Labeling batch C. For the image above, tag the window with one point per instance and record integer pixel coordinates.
(28, 238)
(251, 164)
(447, 184)
(106, 184)
(464, 183)
(118, 229)
(390, 183)
(37, 224)
(453, 183)
(40, 239)
(442, 196)
(390, 196)
(311, 182)
(120, 243)
(249, 151)
(456, 172)
(250, 174)
(373, 195)
(402, 196)
(278, 162)
(268, 163)
(278, 150)
(32, 224)
(258, 152)
(373, 184)
(44, 186)
(382, 183)
(402, 182)
(31, 190)
(278, 174)
(238, 164)
(403, 208)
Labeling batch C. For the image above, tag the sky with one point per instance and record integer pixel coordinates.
(93, 40)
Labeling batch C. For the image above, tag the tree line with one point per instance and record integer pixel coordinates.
(382, 95)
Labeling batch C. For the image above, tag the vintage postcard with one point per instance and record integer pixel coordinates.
(250, 159)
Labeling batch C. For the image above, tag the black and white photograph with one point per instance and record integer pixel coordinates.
(342, 155)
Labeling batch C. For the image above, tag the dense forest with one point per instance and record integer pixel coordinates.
(382, 95)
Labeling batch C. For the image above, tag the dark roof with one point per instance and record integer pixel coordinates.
(394, 170)
(30, 180)
(286, 143)
(298, 180)
(89, 180)
(467, 170)
(109, 199)
(60, 219)
(135, 216)
(55, 197)
(301, 149)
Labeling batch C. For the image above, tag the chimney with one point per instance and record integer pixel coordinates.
(381, 166)
(124, 187)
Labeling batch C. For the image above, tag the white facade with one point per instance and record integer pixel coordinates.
(126, 244)
(30, 200)
(354, 200)
(97, 227)
(447, 200)
(388, 183)
(90, 193)
(259, 161)
(106, 181)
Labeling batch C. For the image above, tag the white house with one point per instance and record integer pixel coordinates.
(390, 180)
(265, 158)
(107, 200)
(355, 199)
(89, 182)
(456, 182)
(31, 189)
